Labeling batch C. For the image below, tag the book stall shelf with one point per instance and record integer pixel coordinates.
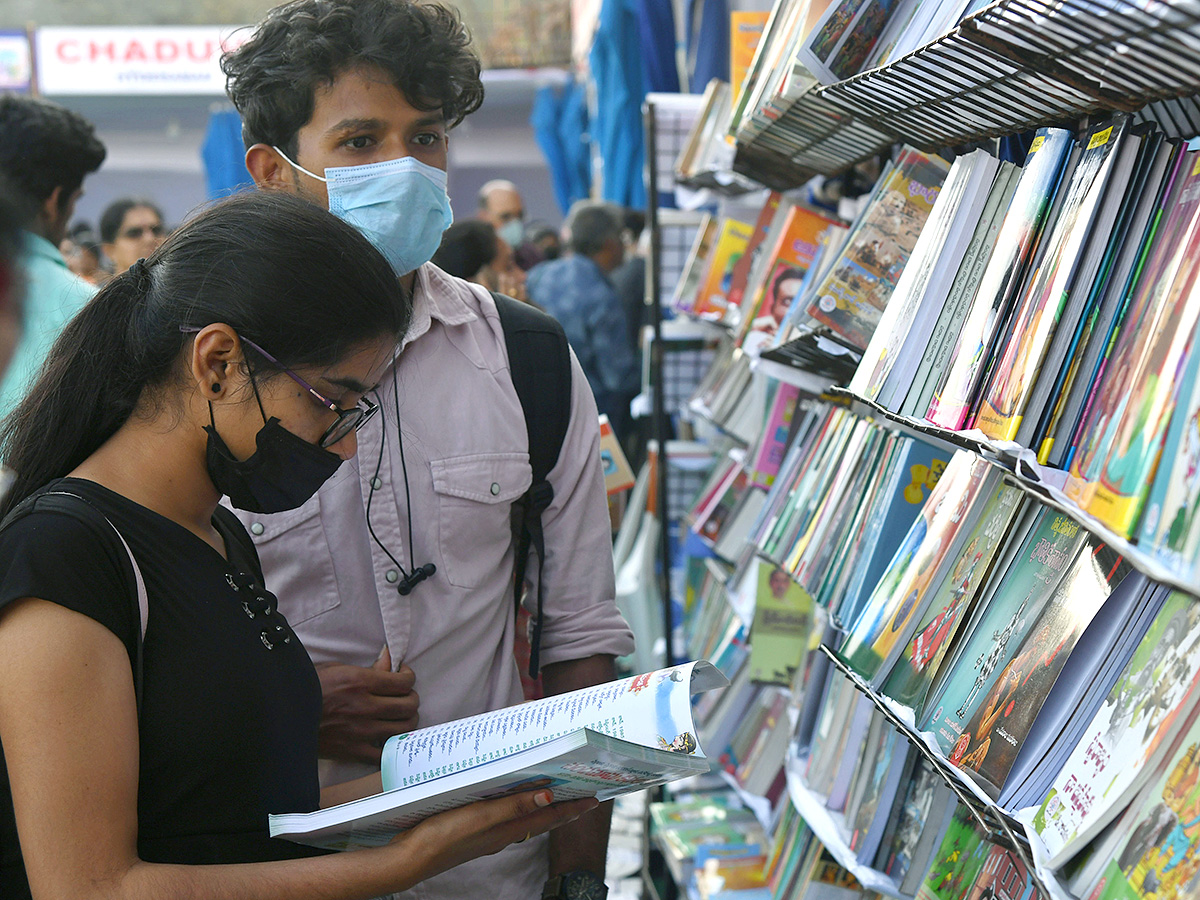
(1015, 65)
(1024, 473)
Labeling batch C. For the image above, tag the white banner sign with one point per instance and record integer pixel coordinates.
(15, 70)
(117, 61)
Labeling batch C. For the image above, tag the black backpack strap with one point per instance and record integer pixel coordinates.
(539, 360)
(81, 508)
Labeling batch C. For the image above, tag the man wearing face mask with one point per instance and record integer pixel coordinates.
(399, 571)
(501, 206)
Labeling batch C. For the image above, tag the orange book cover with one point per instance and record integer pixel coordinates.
(745, 31)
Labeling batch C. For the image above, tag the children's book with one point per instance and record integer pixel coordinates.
(1048, 553)
(930, 545)
(618, 474)
(912, 674)
(601, 742)
(852, 297)
(1003, 876)
(1002, 278)
(1126, 739)
(755, 248)
(843, 39)
(773, 442)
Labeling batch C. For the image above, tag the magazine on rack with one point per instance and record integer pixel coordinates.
(602, 741)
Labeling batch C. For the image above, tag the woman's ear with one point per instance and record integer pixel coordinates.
(215, 354)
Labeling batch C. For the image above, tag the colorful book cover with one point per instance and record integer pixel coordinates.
(913, 673)
(1037, 315)
(1002, 718)
(773, 445)
(1002, 877)
(1002, 278)
(800, 238)
(1048, 553)
(755, 247)
(1149, 400)
(712, 295)
(783, 619)
(1160, 859)
(618, 474)
(745, 31)
(911, 571)
(1154, 688)
(1135, 340)
(853, 295)
(841, 41)
(917, 470)
(957, 862)
(1172, 529)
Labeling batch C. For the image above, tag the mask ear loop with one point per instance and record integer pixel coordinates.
(297, 166)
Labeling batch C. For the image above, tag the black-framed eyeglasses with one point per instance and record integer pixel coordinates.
(347, 420)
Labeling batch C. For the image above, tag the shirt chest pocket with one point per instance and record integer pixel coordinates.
(296, 560)
(475, 495)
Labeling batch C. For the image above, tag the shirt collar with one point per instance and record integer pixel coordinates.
(439, 296)
(36, 245)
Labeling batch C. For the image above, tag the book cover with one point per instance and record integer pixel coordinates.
(1002, 278)
(618, 474)
(745, 31)
(1128, 733)
(841, 41)
(783, 618)
(712, 295)
(852, 297)
(1144, 410)
(914, 815)
(915, 473)
(773, 443)
(755, 248)
(1002, 718)
(1047, 554)
(800, 237)
(912, 675)
(1039, 310)
(908, 577)
(694, 267)
(601, 741)
(1003, 876)
(1160, 858)
(1132, 344)
(957, 862)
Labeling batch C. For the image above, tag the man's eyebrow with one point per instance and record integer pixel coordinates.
(434, 118)
(355, 125)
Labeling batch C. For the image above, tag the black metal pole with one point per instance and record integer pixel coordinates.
(661, 421)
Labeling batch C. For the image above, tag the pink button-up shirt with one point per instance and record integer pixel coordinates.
(466, 451)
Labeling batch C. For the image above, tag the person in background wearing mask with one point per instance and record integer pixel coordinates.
(577, 291)
(131, 230)
(45, 154)
(501, 206)
(400, 571)
(127, 780)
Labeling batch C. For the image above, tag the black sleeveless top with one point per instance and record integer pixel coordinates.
(228, 725)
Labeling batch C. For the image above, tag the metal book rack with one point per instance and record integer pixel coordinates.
(1013, 66)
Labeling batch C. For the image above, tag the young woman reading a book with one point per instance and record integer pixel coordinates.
(141, 758)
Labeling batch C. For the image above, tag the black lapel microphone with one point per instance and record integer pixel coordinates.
(415, 577)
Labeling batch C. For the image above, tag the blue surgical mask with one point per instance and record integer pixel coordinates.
(399, 205)
(513, 232)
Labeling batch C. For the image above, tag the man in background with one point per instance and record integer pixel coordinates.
(46, 151)
(578, 291)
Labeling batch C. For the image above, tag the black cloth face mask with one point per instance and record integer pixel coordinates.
(283, 472)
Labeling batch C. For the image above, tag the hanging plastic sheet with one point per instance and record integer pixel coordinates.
(224, 155)
(616, 65)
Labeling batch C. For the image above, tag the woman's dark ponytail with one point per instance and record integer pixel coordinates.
(284, 273)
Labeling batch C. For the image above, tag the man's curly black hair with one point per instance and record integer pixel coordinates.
(44, 146)
(306, 44)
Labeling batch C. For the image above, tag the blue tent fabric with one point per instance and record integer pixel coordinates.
(616, 64)
(708, 42)
(224, 155)
(656, 28)
(544, 120)
(573, 135)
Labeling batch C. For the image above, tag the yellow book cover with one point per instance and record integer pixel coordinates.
(712, 297)
(745, 31)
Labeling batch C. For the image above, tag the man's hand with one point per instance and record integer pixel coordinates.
(362, 708)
